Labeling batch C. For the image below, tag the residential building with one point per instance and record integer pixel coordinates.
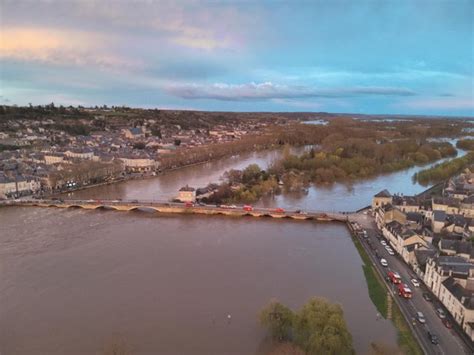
(382, 198)
(187, 194)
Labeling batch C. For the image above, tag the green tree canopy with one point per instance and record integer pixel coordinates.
(278, 319)
(317, 328)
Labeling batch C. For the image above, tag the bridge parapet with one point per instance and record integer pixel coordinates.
(172, 207)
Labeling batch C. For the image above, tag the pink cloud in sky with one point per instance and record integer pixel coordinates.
(61, 47)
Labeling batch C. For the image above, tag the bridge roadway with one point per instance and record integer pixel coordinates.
(173, 207)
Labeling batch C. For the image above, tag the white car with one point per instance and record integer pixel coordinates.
(390, 251)
(383, 242)
(421, 318)
(415, 282)
(383, 262)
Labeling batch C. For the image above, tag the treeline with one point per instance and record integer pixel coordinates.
(73, 129)
(86, 172)
(342, 158)
(247, 186)
(9, 147)
(317, 328)
(444, 171)
(41, 111)
(466, 144)
(205, 153)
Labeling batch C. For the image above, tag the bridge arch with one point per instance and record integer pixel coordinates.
(147, 209)
(72, 206)
(105, 208)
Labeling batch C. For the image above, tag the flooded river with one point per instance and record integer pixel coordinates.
(72, 281)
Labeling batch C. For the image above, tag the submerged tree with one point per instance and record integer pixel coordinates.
(318, 328)
(278, 319)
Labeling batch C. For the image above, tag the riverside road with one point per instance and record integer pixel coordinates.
(449, 340)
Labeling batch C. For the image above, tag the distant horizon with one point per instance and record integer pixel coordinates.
(407, 57)
(101, 107)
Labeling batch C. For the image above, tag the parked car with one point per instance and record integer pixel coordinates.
(233, 206)
(383, 262)
(447, 323)
(427, 297)
(189, 204)
(247, 208)
(433, 338)
(383, 242)
(421, 317)
(390, 251)
(441, 313)
(279, 210)
(415, 282)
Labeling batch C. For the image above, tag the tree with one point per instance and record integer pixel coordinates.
(251, 173)
(156, 132)
(278, 319)
(320, 328)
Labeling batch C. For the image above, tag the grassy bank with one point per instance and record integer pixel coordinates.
(378, 294)
(377, 291)
(407, 342)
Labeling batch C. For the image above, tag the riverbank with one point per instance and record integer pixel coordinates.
(379, 293)
(158, 173)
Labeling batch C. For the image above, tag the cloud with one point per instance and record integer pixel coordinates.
(60, 47)
(448, 103)
(269, 90)
(189, 24)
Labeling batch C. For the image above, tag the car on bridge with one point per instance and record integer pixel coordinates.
(279, 210)
(247, 208)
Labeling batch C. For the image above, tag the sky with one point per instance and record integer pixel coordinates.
(376, 56)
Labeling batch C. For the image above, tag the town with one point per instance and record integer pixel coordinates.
(57, 153)
(433, 234)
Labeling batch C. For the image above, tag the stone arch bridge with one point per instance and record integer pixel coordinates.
(171, 207)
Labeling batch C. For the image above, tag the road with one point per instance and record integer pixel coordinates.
(449, 340)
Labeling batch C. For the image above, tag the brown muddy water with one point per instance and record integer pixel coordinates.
(72, 280)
